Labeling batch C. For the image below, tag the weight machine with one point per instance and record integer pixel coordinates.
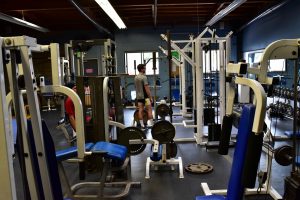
(101, 64)
(283, 49)
(195, 45)
(41, 185)
(257, 129)
(19, 50)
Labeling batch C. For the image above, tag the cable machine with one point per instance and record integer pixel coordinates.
(195, 46)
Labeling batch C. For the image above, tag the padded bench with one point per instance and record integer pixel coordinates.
(70, 152)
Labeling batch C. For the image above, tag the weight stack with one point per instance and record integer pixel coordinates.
(209, 116)
(291, 189)
(214, 132)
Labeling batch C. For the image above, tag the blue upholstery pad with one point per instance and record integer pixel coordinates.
(111, 150)
(298, 161)
(157, 156)
(211, 197)
(70, 152)
(291, 133)
(235, 188)
(14, 129)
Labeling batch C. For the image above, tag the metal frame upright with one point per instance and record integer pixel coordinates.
(22, 47)
(7, 181)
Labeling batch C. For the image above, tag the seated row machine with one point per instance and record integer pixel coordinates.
(109, 152)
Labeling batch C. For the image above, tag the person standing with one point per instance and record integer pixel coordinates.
(143, 96)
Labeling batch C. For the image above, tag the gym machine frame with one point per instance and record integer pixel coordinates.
(25, 45)
(280, 49)
(108, 59)
(257, 128)
(197, 66)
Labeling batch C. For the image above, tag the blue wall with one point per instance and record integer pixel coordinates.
(283, 23)
(149, 39)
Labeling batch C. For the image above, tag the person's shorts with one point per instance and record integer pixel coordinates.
(146, 101)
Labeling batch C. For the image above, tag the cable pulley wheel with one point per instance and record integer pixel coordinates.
(284, 155)
(199, 168)
(162, 110)
(163, 131)
(132, 133)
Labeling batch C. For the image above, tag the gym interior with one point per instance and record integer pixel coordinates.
(224, 80)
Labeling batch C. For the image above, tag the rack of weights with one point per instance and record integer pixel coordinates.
(284, 104)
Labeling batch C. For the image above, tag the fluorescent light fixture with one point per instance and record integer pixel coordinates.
(110, 11)
(235, 4)
(22, 22)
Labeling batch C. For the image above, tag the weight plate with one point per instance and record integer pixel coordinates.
(199, 168)
(284, 155)
(136, 116)
(163, 131)
(162, 110)
(171, 150)
(131, 133)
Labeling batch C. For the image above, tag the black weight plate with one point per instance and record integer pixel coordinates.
(163, 131)
(136, 116)
(171, 150)
(284, 155)
(199, 168)
(162, 110)
(131, 133)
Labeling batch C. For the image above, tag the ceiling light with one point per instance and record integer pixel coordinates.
(110, 11)
(235, 4)
(22, 22)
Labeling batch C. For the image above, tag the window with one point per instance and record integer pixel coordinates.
(137, 58)
(275, 65)
(214, 59)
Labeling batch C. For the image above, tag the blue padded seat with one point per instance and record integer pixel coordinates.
(70, 152)
(157, 156)
(235, 188)
(111, 150)
(291, 133)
